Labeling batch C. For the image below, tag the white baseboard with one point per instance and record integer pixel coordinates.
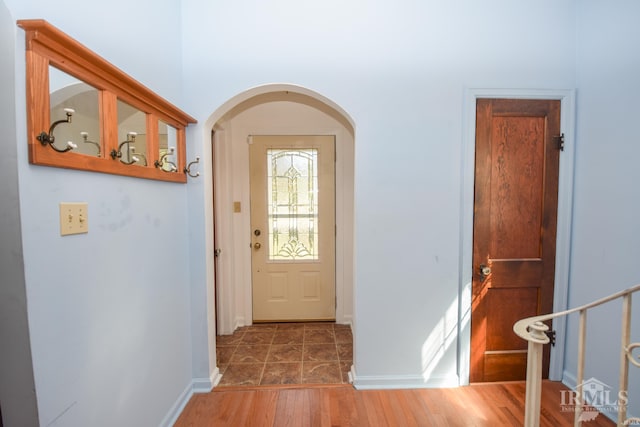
(346, 319)
(177, 408)
(197, 385)
(240, 321)
(215, 378)
(569, 380)
(204, 385)
(380, 382)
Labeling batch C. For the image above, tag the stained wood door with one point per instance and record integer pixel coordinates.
(514, 236)
(293, 227)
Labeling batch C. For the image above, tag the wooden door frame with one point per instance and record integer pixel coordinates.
(565, 204)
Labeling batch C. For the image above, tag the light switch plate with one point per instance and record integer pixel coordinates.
(74, 218)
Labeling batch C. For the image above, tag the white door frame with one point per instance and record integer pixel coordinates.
(565, 205)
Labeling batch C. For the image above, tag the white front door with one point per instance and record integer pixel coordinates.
(293, 227)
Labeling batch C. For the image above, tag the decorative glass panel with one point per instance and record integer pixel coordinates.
(292, 191)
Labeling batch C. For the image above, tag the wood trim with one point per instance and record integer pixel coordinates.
(47, 45)
(109, 120)
(152, 140)
(75, 58)
(37, 101)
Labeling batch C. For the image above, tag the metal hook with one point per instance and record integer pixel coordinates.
(85, 136)
(48, 138)
(160, 164)
(132, 156)
(187, 169)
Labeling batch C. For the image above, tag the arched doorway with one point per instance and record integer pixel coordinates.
(272, 110)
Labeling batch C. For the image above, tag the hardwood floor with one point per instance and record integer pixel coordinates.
(478, 405)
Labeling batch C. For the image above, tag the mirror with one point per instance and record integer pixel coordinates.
(132, 135)
(82, 133)
(167, 143)
(84, 113)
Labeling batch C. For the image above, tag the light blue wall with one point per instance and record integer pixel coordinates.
(16, 370)
(112, 313)
(109, 311)
(142, 38)
(606, 233)
(399, 69)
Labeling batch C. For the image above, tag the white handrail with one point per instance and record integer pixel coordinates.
(532, 329)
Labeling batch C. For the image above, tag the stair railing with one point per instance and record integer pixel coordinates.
(533, 330)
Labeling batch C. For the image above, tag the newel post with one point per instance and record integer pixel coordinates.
(537, 339)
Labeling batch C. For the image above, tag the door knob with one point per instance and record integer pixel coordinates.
(485, 270)
(257, 245)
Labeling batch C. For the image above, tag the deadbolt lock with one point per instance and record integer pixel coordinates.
(257, 232)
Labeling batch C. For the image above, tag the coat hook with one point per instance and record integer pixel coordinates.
(187, 169)
(85, 136)
(164, 162)
(48, 138)
(132, 156)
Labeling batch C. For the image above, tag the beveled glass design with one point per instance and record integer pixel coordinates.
(292, 191)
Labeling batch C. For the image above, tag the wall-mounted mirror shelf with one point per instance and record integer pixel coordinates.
(85, 113)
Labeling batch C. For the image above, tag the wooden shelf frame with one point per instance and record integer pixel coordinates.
(46, 45)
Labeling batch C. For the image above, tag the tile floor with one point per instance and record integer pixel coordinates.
(286, 353)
